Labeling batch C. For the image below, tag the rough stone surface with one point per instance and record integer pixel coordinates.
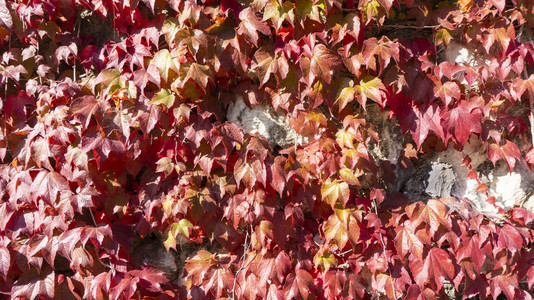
(390, 144)
(439, 180)
(263, 120)
(444, 176)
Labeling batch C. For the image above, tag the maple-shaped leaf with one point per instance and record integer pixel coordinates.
(32, 285)
(150, 279)
(461, 121)
(48, 186)
(473, 251)
(6, 20)
(201, 74)
(509, 238)
(274, 267)
(168, 66)
(384, 49)
(266, 64)
(84, 108)
(437, 267)
(334, 283)
(371, 88)
(110, 80)
(125, 288)
(249, 173)
(219, 281)
(335, 230)
(346, 94)
(198, 265)
(325, 259)
(63, 52)
(408, 243)
(504, 283)
(95, 234)
(165, 97)
(101, 145)
(301, 286)
(509, 152)
(420, 120)
(323, 62)
(433, 214)
(179, 231)
(447, 91)
(333, 191)
(142, 77)
(500, 35)
(250, 25)
(350, 217)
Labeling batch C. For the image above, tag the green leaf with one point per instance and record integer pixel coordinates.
(371, 87)
(332, 192)
(179, 232)
(168, 66)
(325, 259)
(165, 97)
(110, 81)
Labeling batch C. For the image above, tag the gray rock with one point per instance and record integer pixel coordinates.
(263, 120)
(439, 180)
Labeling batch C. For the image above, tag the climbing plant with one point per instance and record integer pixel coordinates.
(114, 127)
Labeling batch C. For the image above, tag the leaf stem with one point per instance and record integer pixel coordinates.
(375, 204)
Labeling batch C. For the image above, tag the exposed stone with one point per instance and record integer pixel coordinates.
(263, 120)
(390, 144)
(439, 180)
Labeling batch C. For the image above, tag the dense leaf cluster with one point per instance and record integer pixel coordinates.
(109, 133)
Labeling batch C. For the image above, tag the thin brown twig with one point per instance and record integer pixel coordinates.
(241, 263)
(409, 26)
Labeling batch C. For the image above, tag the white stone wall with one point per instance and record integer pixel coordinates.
(263, 120)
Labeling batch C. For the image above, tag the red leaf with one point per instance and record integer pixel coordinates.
(5, 262)
(6, 20)
(48, 186)
(504, 283)
(433, 214)
(510, 239)
(509, 152)
(277, 174)
(271, 267)
(437, 267)
(462, 121)
(17, 103)
(323, 62)
(447, 92)
(334, 283)
(142, 77)
(407, 242)
(250, 25)
(32, 285)
(301, 286)
(125, 288)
